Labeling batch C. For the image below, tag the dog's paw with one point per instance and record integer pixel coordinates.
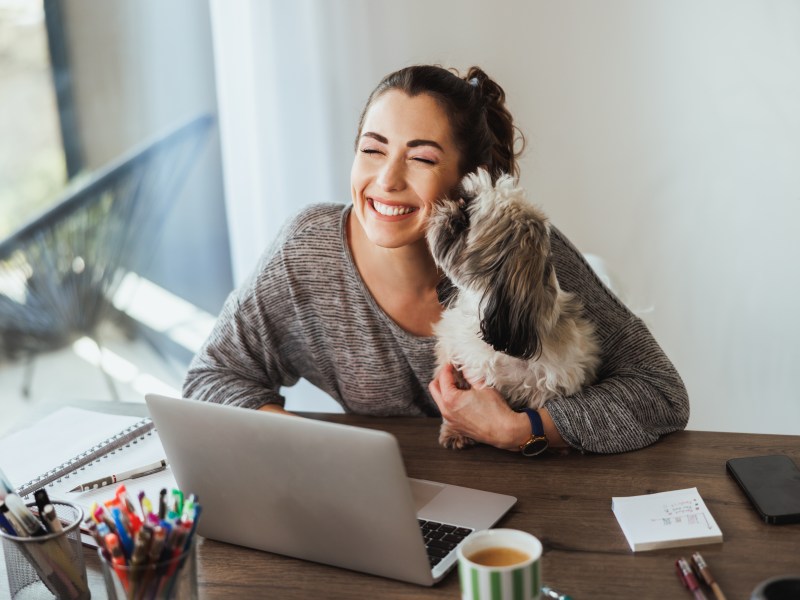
(449, 438)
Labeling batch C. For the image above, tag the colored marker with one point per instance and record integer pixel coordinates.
(688, 579)
(117, 558)
(707, 576)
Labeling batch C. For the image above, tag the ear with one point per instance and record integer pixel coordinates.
(519, 304)
(507, 325)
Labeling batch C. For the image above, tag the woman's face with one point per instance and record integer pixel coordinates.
(405, 161)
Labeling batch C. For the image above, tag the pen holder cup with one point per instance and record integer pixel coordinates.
(48, 566)
(168, 579)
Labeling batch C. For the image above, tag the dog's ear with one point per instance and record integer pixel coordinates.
(521, 302)
(446, 292)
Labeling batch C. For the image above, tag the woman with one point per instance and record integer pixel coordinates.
(347, 296)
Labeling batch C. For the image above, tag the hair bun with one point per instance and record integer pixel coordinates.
(500, 122)
(483, 129)
(490, 92)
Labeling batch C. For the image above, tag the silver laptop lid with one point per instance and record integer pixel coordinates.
(324, 492)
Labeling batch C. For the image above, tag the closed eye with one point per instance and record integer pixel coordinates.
(370, 151)
(424, 160)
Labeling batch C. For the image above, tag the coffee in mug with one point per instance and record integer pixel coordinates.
(499, 556)
(500, 563)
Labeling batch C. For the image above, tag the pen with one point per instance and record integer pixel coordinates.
(177, 497)
(705, 573)
(93, 529)
(101, 516)
(196, 517)
(30, 525)
(688, 579)
(55, 564)
(53, 525)
(42, 500)
(125, 539)
(145, 505)
(128, 510)
(64, 560)
(117, 558)
(162, 504)
(132, 474)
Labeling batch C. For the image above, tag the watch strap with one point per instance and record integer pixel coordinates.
(537, 443)
(537, 427)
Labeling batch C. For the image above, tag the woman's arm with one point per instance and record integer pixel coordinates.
(638, 395)
(243, 362)
(237, 365)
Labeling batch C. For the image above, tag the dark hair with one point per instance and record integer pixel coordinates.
(483, 129)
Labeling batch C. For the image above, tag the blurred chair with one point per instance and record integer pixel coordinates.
(59, 273)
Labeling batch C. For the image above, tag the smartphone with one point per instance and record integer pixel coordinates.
(772, 483)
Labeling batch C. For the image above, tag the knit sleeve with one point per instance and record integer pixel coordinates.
(231, 368)
(638, 395)
(242, 361)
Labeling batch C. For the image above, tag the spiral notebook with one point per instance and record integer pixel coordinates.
(74, 446)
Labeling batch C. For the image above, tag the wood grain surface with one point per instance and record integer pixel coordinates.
(563, 500)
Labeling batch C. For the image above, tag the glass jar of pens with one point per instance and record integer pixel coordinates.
(42, 548)
(147, 553)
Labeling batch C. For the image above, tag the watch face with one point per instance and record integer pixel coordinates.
(535, 446)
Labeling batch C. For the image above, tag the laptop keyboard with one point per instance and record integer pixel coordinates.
(441, 539)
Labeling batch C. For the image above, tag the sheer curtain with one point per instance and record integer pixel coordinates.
(288, 96)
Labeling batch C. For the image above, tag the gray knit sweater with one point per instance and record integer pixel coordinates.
(305, 312)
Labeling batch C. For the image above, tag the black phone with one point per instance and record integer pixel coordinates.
(772, 483)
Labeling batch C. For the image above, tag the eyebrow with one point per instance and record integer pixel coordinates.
(410, 144)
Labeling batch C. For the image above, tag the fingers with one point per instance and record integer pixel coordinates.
(447, 377)
(435, 389)
(442, 388)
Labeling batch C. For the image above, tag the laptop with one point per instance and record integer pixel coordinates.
(323, 492)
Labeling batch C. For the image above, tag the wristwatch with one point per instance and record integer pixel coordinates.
(537, 443)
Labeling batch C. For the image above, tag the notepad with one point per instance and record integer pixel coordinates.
(666, 520)
(73, 446)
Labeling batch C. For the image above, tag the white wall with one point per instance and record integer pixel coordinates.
(663, 136)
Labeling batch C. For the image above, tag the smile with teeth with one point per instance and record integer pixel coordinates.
(391, 211)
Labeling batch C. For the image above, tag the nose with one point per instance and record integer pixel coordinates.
(391, 177)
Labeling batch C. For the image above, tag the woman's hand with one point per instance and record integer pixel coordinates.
(479, 412)
(482, 414)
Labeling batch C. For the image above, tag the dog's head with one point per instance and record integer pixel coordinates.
(493, 243)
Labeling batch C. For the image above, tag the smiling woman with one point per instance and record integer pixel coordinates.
(348, 295)
(406, 161)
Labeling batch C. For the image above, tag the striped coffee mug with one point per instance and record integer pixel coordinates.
(500, 564)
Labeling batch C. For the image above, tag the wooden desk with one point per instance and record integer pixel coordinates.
(566, 502)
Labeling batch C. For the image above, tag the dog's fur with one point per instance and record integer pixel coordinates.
(509, 324)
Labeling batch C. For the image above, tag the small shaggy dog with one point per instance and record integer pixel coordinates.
(509, 324)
